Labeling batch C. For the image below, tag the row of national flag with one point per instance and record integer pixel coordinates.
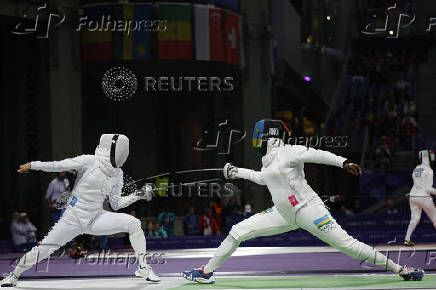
(187, 32)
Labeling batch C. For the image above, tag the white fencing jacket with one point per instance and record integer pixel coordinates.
(423, 180)
(96, 180)
(283, 174)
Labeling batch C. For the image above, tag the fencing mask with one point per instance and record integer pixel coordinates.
(427, 157)
(266, 129)
(116, 147)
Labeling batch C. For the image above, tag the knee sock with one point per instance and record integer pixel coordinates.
(410, 229)
(26, 262)
(222, 253)
(137, 240)
(362, 251)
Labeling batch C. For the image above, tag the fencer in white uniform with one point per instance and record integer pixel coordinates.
(296, 205)
(99, 177)
(421, 194)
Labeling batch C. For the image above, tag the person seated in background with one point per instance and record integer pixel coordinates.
(345, 210)
(149, 230)
(23, 232)
(247, 211)
(56, 187)
(159, 231)
(390, 209)
(208, 225)
(190, 222)
(167, 219)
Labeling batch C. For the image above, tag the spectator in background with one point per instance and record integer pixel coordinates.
(56, 187)
(390, 209)
(217, 207)
(23, 232)
(345, 210)
(190, 222)
(159, 231)
(208, 225)
(383, 155)
(247, 211)
(167, 219)
(149, 230)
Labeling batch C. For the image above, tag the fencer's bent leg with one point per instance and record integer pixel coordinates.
(317, 220)
(429, 209)
(266, 223)
(415, 216)
(222, 253)
(61, 233)
(109, 223)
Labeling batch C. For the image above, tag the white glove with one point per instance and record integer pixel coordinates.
(230, 171)
(63, 199)
(146, 192)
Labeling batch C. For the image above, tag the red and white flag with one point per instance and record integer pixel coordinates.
(231, 23)
(210, 38)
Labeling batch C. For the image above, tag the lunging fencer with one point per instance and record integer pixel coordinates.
(99, 176)
(421, 194)
(296, 205)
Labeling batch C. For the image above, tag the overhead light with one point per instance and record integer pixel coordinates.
(328, 17)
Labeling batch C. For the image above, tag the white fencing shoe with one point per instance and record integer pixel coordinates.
(10, 280)
(147, 273)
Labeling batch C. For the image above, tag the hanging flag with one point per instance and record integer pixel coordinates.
(209, 34)
(202, 36)
(97, 44)
(231, 24)
(141, 37)
(217, 40)
(176, 41)
(132, 43)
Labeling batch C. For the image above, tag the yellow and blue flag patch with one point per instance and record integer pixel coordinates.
(319, 223)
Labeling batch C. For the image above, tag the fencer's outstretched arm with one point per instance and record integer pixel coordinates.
(75, 163)
(232, 172)
(117, 201)
(302, 154)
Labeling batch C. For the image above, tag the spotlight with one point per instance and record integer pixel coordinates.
(307, 78)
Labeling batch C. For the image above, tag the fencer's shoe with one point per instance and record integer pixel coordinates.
(198, 275)
(147, 274)
(410, 273)
(409, 243)
(10, 280)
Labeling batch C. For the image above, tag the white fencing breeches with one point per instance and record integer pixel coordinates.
(417, 204)
(68, 227)
(314, 218)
